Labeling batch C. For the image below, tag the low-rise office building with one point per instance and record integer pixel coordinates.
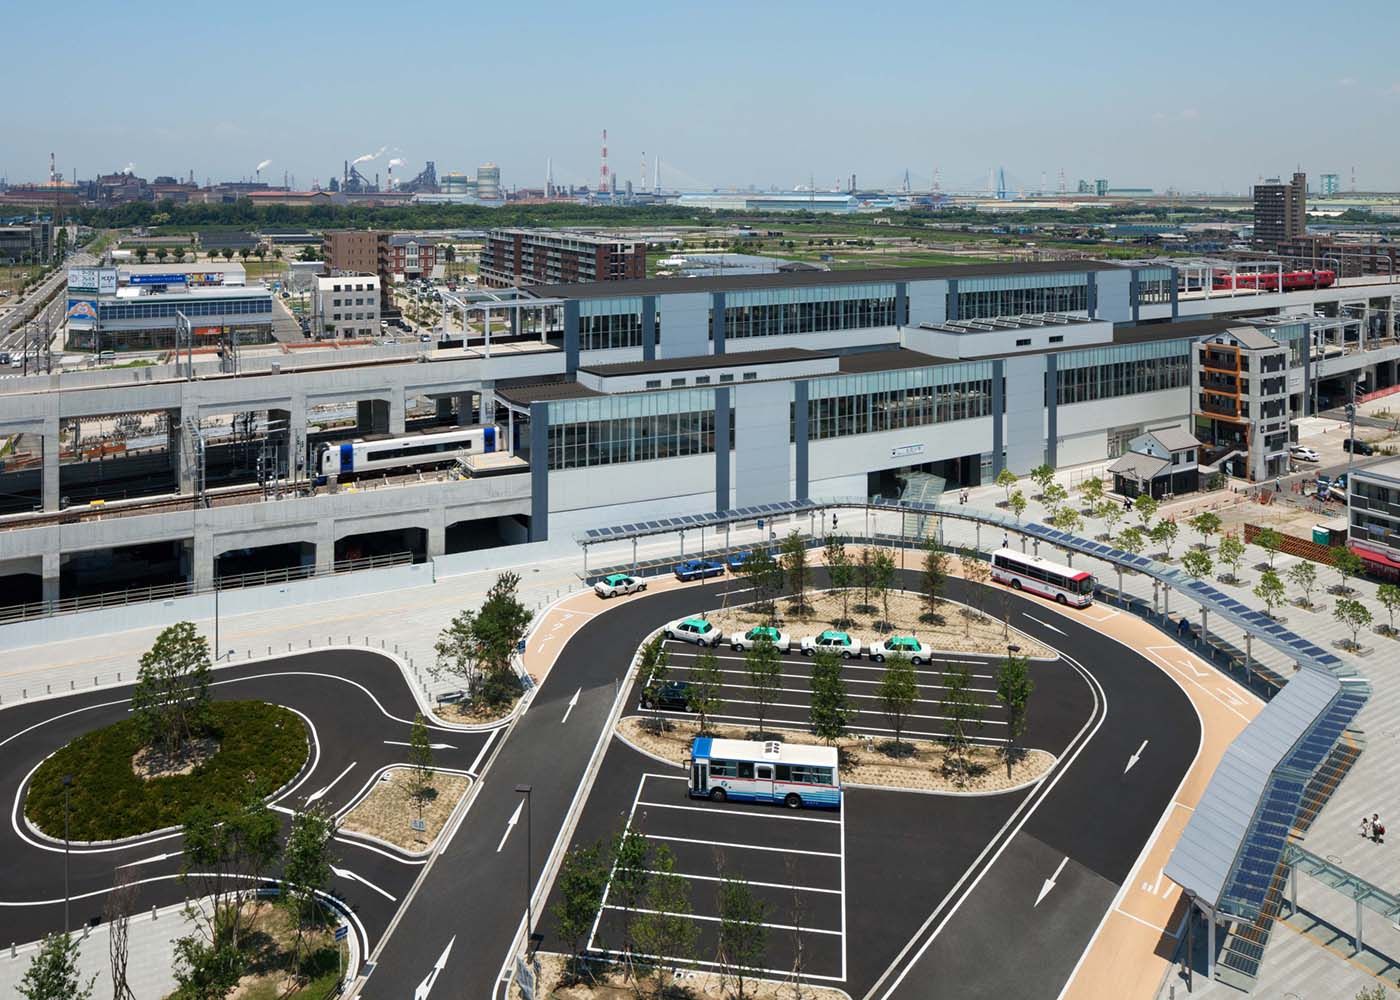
(345, 306)
(1373, 517)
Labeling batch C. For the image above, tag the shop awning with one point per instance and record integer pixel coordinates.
(1375, 558)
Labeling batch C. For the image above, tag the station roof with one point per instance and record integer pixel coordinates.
(889, 360)
(817, 279)
(523, 392)
(781, 355)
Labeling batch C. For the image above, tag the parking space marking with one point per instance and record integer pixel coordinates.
(854, 680)
(741, 847)
(761, 885)
(715, 920)
(854, 726)
(737, 812)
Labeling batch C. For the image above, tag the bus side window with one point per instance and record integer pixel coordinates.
(784, 773)
(745, 769)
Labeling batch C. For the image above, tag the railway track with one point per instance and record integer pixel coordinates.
(99, 511)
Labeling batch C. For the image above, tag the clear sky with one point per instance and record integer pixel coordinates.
(1197, 97)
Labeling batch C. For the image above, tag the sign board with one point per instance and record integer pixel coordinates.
(342, 932)
(83, 310)
(204, 278)
(107, 281)
(418, 825)
(906, 449)
(156, 279)
(83, 278)
(524, 978)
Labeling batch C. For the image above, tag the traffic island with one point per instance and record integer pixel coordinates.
(918, 765)
(557, 981)
(389, 811)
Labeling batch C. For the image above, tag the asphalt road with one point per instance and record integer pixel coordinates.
(359, 708)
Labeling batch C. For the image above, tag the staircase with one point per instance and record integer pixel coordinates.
(921, 487)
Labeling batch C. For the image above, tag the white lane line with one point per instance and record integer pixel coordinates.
(742, 847)
(151, 860)
(431, 746)
(474, 769)
(709, 964)
(858, 728)
(365, 845)
(863, 711)
(1033, 618)
(320, 793)
(346, 873)
(510, 824)
(738, 812)
(696, 916)
(762, 885)
(1122, 912)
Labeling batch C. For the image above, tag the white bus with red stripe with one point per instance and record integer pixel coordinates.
(1040, 576)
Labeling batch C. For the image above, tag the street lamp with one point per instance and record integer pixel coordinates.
(529, 905)
(67, 784)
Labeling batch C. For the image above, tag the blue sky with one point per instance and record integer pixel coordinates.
(1199, 98)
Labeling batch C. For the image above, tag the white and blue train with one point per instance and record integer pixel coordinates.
(796, 775)
(382, 453)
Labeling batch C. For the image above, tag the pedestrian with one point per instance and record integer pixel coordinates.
(1377, 829)
(1365, 828)
(1006, 541)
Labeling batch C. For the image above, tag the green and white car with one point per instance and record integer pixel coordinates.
(696, 630)
(837, 642)
(743, 640)
(907, 646)
(618, 583)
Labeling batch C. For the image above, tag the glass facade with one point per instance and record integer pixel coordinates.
(884, 401)
(639, 427)
(1155, 284)
(1294, 336)
(115, 309)
(1022, 294)
(1108, 372)
(777, 312)
(607, 323)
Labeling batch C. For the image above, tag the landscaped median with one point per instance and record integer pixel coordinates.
(389, 809)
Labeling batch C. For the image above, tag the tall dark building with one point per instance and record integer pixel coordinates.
(1281, 209)
(543, 256)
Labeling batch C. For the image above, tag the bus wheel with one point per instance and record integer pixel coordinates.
(793, 801)
(1015, 584)
(1060, 599)
(717, 795)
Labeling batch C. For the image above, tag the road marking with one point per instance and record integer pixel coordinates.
(1050, 883)
(762, 885)
(510, 824)
(152, 860)
(737, 812)
(1033, 618)
(346, 873)
(572, 702)
(475, 767)
(742, 847)
(696, 916)
(426, 986)
(1135, 757)
(1145, 923)
(320, 793)
(431, 746)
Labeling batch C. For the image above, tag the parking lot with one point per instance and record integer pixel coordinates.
(793, 861)
(792, 708)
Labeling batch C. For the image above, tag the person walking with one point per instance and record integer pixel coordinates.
(1365, 828)
(1377, 829)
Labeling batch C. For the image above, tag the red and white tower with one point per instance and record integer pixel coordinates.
(603, 166)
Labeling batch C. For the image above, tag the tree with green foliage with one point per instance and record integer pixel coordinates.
(1206, 524)
(1092, 491)
(1018, 504)
(161, 254)
(583, 877)
(500, 624)
(631, 878)
(1270, 590)
(53, 972)
(764, 666)
(760, 571)
(1043, 475)
(1130, 540)
(1068, 520)
(884, 576)
(1303, 575)
(706, 684)
(653, 665)
(456, 653)
(420, 763)
(1354, 616)
(1014, 689)
(795, 568)
(898, 691)
(1388, 596)
(842, 573)
(1006, 479)
(1230, 552)
(171, 699)
(963, 713)
(664, 926)
(141, 254)
(742, 944)
(1146, 509)
(226, 849)
(244, 253)
(277, 253)
(306, 869)
(831, 707)
(1347, 564)
(1197, 563)
(205, 971)
(1054, 496)
(977, 572)
(1164, 533)
(933, 576)
(1270, 541)
(1110, 512)
(227, 252)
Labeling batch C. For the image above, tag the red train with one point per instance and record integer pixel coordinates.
(1269, 280)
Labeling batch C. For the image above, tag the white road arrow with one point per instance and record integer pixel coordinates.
(347, 873)
(1135, 757)
(1049, 883)
(151, 861)
(510, 824)
(431, 746)
(426, 986)
(320, 792)
(572, 702)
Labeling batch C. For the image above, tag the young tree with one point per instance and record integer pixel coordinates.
(205, 971)
(53, 972)
(831, 708)
(420, 763)
(1269, 590)
(116, 914)
(1017, 503)
(142, 253)
(1347, 564)
(898, 692)
(1130, 540)
(161, 254)
(1164, 533)
(1205, 524)
(1068, 520)
(883, 572)
(306, 868)
(654, 664)
(1230, 552)
(227, 849)
(1006, 479)
(759, 571)
(1354, 616)
(933, 577)
(1270, 541)
(794, 561)
(1197, 563)
(456, 653)
(963, 712)
(1043, 475)
(706, 683)
(764, 665)
(583, 876)
(500, 625)
(743, 936)
(631, 878)
(665, 927)
(171, 699)
(1388, 594)
(1092, 492)
(227, 252)
(977, 572)
(1054, 496)
(1110, 512)
(842, 573)
(1146, 509)
(1014, 688)
(1303, 575)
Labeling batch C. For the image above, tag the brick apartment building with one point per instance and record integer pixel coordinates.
(1281, 210)
(548, 257)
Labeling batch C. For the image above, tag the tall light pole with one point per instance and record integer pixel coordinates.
(529, 904)
(67, 784)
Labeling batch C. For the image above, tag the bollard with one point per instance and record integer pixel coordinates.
(269, 650)
(153, 913)
(347, 640)
(72, 685)
(24, 692)
(308, 643)
(12, 949)
(119, 676)
(48, 689)
(94, 682)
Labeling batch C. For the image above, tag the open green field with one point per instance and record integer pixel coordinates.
(13, 277)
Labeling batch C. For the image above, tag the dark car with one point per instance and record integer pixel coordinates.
(1358, 447)
(673, 695)
(698, 569)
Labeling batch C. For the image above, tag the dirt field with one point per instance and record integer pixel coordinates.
(386, 811)
(863, 763)
(696, 985)
(956, 631)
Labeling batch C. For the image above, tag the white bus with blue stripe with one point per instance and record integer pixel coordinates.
(385, 453)
(794, 774)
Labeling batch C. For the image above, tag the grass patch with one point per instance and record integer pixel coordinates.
(260, 745)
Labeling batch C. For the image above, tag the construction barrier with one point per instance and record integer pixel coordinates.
(1303, 548)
